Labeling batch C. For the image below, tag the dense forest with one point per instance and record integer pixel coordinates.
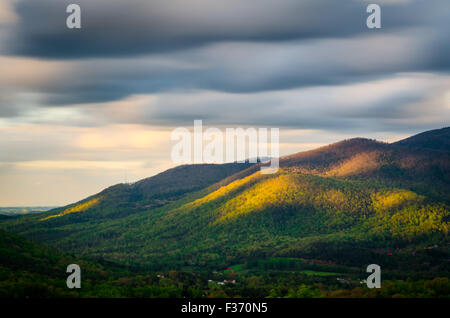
(309, 230)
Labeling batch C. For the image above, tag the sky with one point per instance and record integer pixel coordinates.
(83, 109)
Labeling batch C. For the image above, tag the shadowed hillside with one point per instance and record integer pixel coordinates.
(28, 269)
(437, 139)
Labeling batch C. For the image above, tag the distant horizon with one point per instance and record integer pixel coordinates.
(30, 206)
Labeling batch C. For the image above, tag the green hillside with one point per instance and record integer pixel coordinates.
(348, 204)
(28, 269)
(31, 270)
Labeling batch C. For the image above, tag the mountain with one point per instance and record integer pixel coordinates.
(173, 183)
(350, 203)
(434, 139)
(123, 199)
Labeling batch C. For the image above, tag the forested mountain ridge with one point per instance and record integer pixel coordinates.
(348, 202)
(123, 199)
(393, 164)
(436, 139)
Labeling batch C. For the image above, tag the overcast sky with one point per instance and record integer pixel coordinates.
(83, 109)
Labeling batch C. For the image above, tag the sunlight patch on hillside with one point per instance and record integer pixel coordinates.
(359, 164)
(273, 192)
(393, 200)
(77, 208)
(226, 190)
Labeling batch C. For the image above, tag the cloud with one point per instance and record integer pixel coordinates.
(118, 28)
(7, 13)
(138, 27)
(233, 46)
(78, 165)
(68, 165)
(397, 103)
(235, 67)
(77, 105)
(8, 110)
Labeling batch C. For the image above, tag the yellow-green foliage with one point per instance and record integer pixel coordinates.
(401, 212)
(226, 190)
(420, 220)
(387, 201)
(77, 208)
(274, 191)
(290, 190)
(405, 214)
(414, 221)
(326, 202)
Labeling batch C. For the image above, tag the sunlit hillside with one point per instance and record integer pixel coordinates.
(357, 195)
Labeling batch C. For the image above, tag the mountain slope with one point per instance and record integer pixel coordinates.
(434, 139)
(349, 202)
(362, 159)
(121, 200)
(286, 214)
(28, 269)
(31, 270)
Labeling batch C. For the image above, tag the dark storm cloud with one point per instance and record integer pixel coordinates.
(121, 28)
(230, 46)
(237, 67)
(239, 47)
